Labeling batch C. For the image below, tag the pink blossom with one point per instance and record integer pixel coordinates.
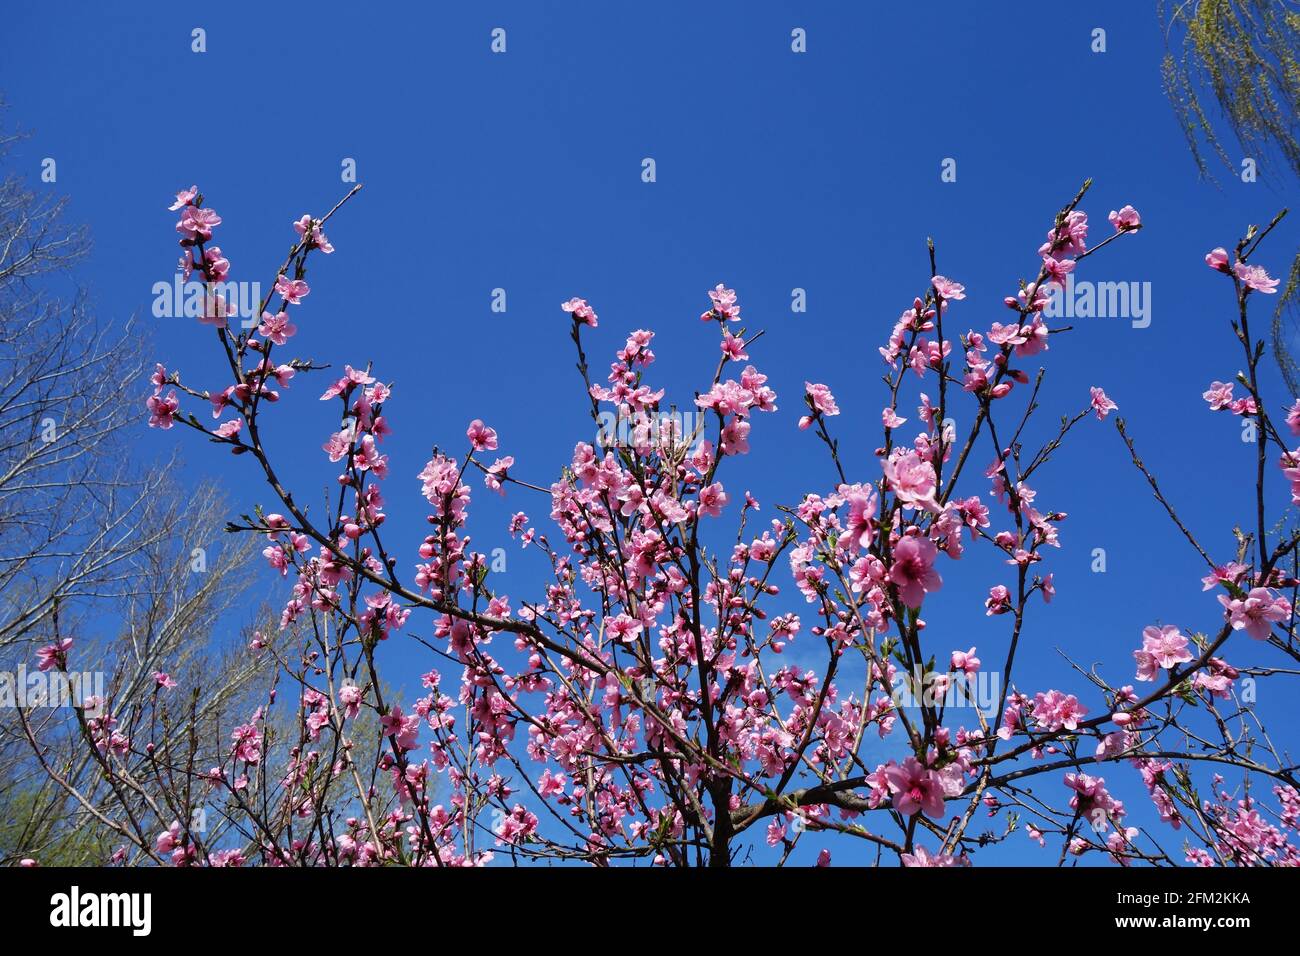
(292, 291)
(913, 569)
(911, 478)
(921, 857)
(820, 401)
(196, 224)
(966, 662)
(998, 601)
(581, 311)
(889, 418)
(623, 627)
(1126, 220)
(724, 305)
(1254, 277)
(53, 655)
(1166, 645)
(309, 229)
(1057, 711)
(947, 288)
(733, 347)
(498, 471)
(1217, 259)
(277, 328)
(162, 410)
(712, 500)
(914, 788)
(551, 784)
(184, 198)
(481, 438)
(1219, 395)
(1257, 613)
(1101, 404)
(350, 696)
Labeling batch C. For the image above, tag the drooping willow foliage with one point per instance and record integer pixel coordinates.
(1245, 56)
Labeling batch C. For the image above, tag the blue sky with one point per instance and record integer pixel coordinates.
(775, 170)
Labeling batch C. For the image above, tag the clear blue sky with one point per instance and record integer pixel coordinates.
(774, 171)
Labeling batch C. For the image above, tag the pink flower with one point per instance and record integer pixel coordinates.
(966, 662)
(498, 471)
(162, 410)
(309, 229)
(623, 627)
(169, 839)
(998, 601)
(1217, 259)
(913, 569)
(53, 655)
(581, 311)
(911, 478)
(291, 290)
(216, 310)
(350, 379)
(923, 858)
(248, 743)
(350, 698)
(915, 789)
(1254, 277)
(724, 305)
(734, 348)
(1292, 415)
(1147, 666)
(163, 680)
(404, 729)
(820, 401)
(276, 328)
(1219, 395)
(184, 198)
(1069, 238)
(1056, 711)
(218, 265)
(1102, 405)
(948, 289)
(712, 500)
(1257, 614)
(1229, 573)
(1058, 270)
(481, 438)
(196, 224)
(1166, 646)
(1034, 337)
(1126, 220)
(551, 784)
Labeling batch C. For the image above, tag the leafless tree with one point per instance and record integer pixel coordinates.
(94, 544)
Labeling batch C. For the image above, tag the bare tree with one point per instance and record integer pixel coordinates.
(95, 545)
